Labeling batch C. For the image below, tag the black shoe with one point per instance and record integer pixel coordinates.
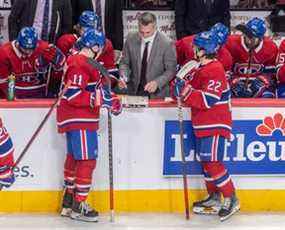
(210, 205)
(230, 206)
(82, 211)
(66, 204)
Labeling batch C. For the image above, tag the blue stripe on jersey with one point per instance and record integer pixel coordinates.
(71, 92)
(207, 176)
(222, 179)
(114, 73)
(91, 87)
(211, 99)
(226, 96)
(6, 147)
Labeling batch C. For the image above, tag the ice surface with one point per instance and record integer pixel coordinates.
(147, 221)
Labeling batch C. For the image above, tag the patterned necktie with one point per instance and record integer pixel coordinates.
(99, 13)
(45, 21)
(143, 71)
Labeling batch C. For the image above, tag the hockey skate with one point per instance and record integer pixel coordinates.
(66, 204)
(230, 206)
(82, 211)
(210, 205)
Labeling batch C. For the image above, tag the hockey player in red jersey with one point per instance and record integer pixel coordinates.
(223, 55)
(28, 59)
(207, 92)
(6, 158)
(87, 20)
(78, 117)
(281, 71)
(185, 52)
(252, 54)
(67, 43)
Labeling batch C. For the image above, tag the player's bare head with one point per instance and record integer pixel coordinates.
(27, 41)
(205, 45)
(147, 24)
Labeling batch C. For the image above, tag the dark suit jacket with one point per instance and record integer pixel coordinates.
(161, 67)
(191, 17)
(23, 14)
(113, 18)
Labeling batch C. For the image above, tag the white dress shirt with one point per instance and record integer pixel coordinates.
(144, 41)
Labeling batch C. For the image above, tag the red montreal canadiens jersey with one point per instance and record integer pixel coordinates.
(30, 82)
(66, 42)
(74, 111)
(210, 101)
(185, 53)
(264, 54)
(281, 63)
(6, 147)
(107, 58)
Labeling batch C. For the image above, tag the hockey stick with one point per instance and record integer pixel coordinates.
(111, 173)
(39, 128)
(184, 164)
(105, 73)
(54, 41)
(182, 73)
(248, 68)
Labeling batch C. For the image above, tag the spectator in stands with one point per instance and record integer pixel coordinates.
(192, 17)
(43, 15)
(147, 4)
(110, 12)
(149, 60)
(253, 4)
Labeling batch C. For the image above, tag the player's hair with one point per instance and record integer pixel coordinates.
(147, 18)
(211, 56)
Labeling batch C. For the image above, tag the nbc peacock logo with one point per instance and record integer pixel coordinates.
(271, 124)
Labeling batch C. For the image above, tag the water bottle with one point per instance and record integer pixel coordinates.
(11, 87)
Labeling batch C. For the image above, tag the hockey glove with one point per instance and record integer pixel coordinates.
(101, 97)
(106, 96)
(49, 54)
(281, 91)
(6, 176)
(117, 106)
(110, 101)
(240, 90)
(257, 87)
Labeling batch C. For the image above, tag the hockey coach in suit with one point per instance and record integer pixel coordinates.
(149, 60)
